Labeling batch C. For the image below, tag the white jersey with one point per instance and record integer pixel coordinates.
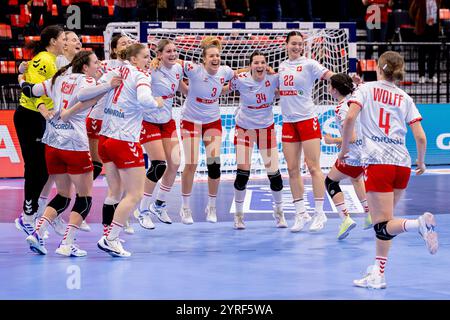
(340, 112)
(70, 135)
(97, 110)
(123, 114)
(256, 100)
(297, 79)
(62, 61)
(202, 102)
(385, 111)
(165, 84)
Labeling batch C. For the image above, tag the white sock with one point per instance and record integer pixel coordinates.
(163, 192)
(212, 200)
(28, 218)
(42, 225)
(380, 263)
(299, 206)
(239, 197)
(69, 236)
(410, 225)
(42, 203)
(342, 210)
(115, 231)
(365, 206)
(319, 204)
(145, 202)
(186, 197)
(277, 198)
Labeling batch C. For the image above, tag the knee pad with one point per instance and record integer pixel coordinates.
(276, 182)
(59, 203)
(98, 167)
(332, 186)
(213, 165)
(82, 206)
(381, 231)
(240, 183)
(156, 170)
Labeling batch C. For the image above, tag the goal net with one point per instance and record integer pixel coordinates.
(331, 44)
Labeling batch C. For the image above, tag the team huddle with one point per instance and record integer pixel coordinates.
(105, 112)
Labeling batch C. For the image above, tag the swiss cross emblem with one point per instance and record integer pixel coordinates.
(190, 67)
(299, 68)
(178, 76)
(222, 80)
(267, 83)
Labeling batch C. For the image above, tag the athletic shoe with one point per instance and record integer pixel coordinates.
(318, 222)
(368, 222)
(36, 243)
(186, 216)
(145, 220)
(128, 228)
(300, 220)
(211, 215)
(279, 217)
(372, 280)
(160, 212)
(59, 225)
(45, 236)
(136, 213)
(70, 250)
(113, 247)
(239, 221)
(85, 227)
(427, 224)
(26, 227)
(345, 227)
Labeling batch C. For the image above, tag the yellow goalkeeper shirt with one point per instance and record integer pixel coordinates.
(40, 68)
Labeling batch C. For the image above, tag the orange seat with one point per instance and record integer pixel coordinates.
(92, 39)
(5, 31)
(8, 67)
(65, 3)
(367, 65)
(13, 2)
(32, 38)
(444, 14)
(54, 10)
(111, 10)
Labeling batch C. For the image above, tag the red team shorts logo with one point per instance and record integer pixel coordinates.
(157, 131)
(93, 127)
(67, 161)
(301, 130)
(351, 171)
(123, 154)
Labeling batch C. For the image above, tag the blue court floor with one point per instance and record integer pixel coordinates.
(214, 261)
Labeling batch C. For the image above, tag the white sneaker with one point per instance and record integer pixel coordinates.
(422, 80)
(373, 279)
(318, 222)
(70, 250)
(36, 243)
(239, 221)
(427, 224)
(113, 247)
(186, 216)
(45, 236)
(145, 220)
(279, 217)
(160, 212)
(59, 225)
(128, 228)
(211, 215)
(136, 213)
(85, 227)
(24, 226)
(301, 219)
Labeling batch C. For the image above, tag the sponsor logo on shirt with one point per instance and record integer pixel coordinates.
(115, 113)
(61, 126)
(388, 140)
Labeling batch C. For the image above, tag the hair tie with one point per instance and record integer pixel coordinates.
(384, 67)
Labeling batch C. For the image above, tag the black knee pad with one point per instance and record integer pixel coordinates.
(59, 203)
(381, 231)
(240, 183)
(82, 206)
(332, 186)
(98, 167)
(108, 213)
(276, 182)
(213, 165)
(156, 170)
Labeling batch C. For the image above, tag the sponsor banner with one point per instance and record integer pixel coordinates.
(11, 161)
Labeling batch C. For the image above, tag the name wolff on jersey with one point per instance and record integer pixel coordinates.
(114, 113)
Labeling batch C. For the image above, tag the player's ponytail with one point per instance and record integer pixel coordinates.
(77, 63)
(156, 62)
(131, 51)
(392, 66)
(210, 42)
(47, 34)
(342, 83)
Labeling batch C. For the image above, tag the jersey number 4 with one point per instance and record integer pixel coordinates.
(384, 121)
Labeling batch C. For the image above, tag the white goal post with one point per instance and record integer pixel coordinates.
(332, 44)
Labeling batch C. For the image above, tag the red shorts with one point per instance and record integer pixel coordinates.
(191, 129)
(123, 154)
(157, 131)
(93, 127)
(67, 161)
(301, 130)
(351, 171)
(265, 138)
(386, 177)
